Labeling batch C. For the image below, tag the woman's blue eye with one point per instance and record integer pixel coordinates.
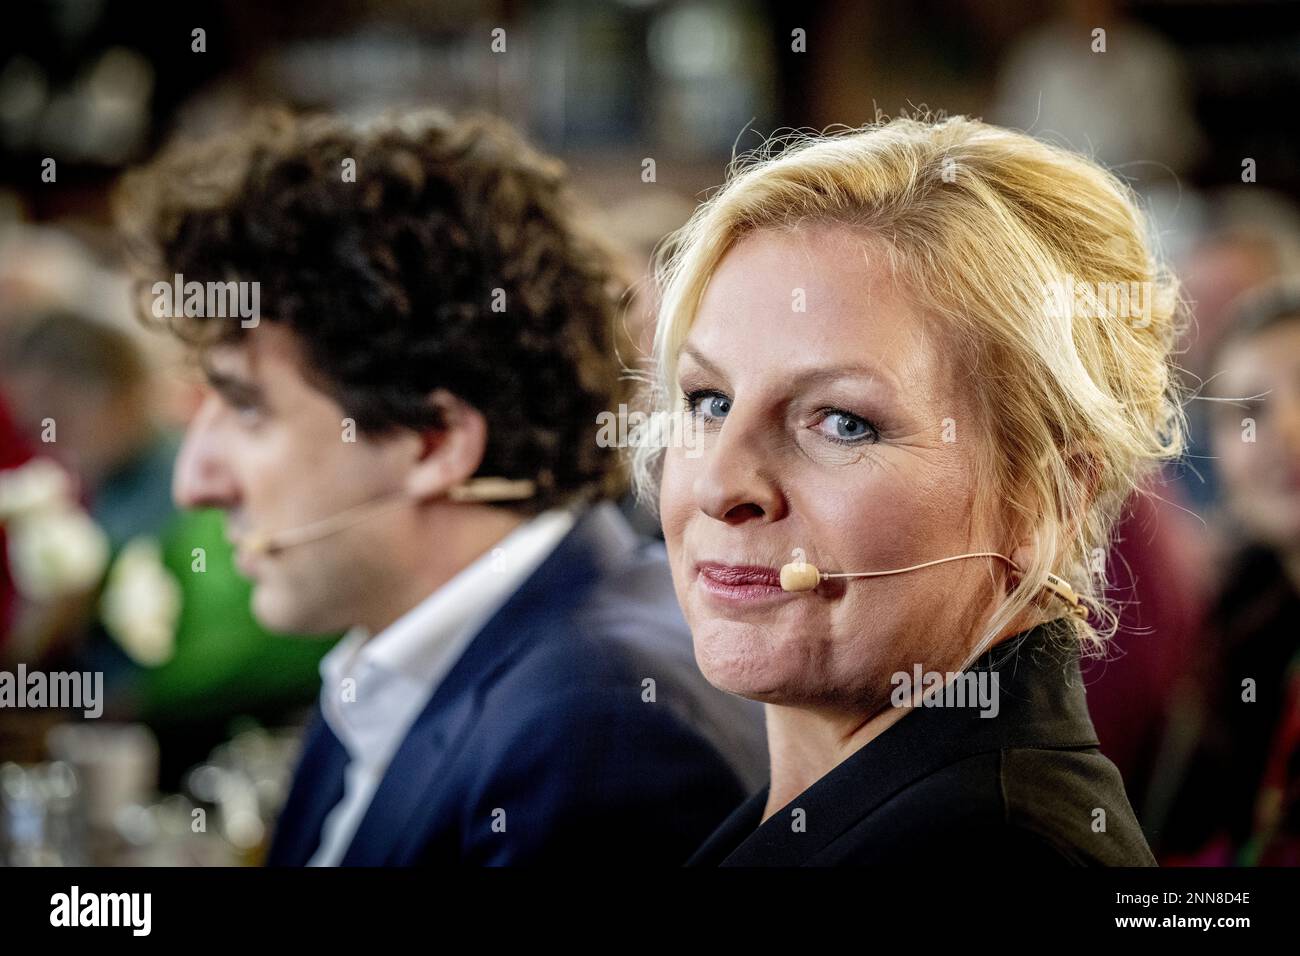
(846, 428)
(710, 404)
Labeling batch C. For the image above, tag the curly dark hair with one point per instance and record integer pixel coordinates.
(389, 282)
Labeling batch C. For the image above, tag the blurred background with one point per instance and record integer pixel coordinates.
(647, 101)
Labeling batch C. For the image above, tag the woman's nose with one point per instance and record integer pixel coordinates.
(202, 478)
(736, 483)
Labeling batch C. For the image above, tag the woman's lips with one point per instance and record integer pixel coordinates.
(740, 583)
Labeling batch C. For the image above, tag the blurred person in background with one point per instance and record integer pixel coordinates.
(92, 383)
(403, 439)
(14, 453)
(1094, 46)
(1163, 567)
(80, 394)
(170, 630)
(1237, 795)
(1246, 237)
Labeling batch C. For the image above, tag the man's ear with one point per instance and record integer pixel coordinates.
(451, 454)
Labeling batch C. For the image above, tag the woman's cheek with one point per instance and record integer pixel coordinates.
(674, 501)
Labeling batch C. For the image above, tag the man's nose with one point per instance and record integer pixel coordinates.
(202, 478)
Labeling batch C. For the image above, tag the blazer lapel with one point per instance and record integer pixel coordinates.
(733, 831)
(408, 782)
(317, 788)
(386, 835)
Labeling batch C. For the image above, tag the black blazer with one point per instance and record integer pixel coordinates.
(1027, 787)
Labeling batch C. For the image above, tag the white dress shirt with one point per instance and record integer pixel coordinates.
(395, 673)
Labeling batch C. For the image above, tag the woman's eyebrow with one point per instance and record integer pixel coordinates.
(872, 372)
(688, 351)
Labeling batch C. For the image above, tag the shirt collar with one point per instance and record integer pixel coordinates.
(396, 672)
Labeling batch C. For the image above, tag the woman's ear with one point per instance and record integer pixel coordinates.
(450, 454)
(1023, 556)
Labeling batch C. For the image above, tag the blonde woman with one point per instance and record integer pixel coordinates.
(939, 350)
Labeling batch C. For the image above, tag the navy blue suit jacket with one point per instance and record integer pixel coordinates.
(542, 744)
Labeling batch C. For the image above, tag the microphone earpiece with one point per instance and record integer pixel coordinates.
(493, 489)
(802, 576)
(1065, 591)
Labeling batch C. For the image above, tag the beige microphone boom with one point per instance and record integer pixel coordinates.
(802, 576)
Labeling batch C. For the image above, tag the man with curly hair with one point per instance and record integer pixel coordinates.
(403, 440)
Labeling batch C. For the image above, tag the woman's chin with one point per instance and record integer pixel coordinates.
(747, 663)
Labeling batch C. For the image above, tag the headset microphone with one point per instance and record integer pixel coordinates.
(474, 490)
(801, 576)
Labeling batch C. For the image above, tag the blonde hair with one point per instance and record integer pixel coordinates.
(982, 226)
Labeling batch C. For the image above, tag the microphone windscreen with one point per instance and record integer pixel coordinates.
(799, 576)
(258, 543)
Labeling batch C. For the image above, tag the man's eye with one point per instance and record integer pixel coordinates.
(248, 413)
(847, 428)
(708, 403)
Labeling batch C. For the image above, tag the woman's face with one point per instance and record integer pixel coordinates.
(1256, 442)
(846, 429)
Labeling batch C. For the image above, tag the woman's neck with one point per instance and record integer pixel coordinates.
(806, 744)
